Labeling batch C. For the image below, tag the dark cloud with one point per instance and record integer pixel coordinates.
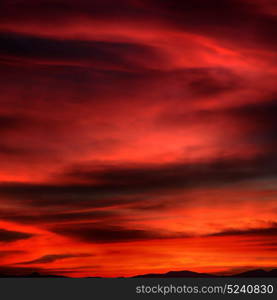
(18, 129)
(98, 54)
(196, 14)
(105, 233)
(234, 20)
(120, 184)
(65, 195)
(184, 83)
(87, 84)
(18, 154)
(213, 81)
(240, 21)
(135, 178)
(262, 117)
(49, 258)
(11, 122)
(190, 83)
(54, 217)
(61, 11)
(12, 236)
(262, 232)
(256, 120)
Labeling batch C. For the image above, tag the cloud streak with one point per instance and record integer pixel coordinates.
(7, 236)
(50, 258)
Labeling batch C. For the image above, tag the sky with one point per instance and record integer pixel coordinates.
(137, 136)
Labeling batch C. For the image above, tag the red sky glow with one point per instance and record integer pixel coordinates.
(137, 136)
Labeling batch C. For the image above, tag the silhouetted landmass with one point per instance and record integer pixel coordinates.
(189, 274)
(175, 274)
(258, 273)
(32, 275)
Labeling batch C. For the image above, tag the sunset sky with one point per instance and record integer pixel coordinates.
(137, 136)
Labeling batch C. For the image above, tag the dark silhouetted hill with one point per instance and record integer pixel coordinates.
(257, 273)
(188, 274)
(176, 274)
(32, 275)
